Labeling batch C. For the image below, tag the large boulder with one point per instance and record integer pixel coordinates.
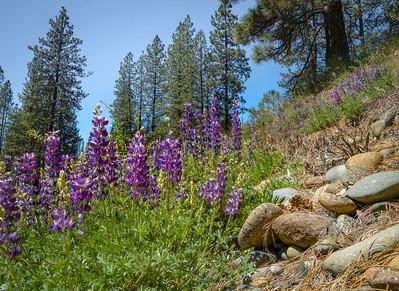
(337, 203)
(376, 188)
(368, 161)
(363, 250)
(300, 228)
(253, 232)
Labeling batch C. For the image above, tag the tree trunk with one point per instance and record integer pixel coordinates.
(337, 49)
(361, 24)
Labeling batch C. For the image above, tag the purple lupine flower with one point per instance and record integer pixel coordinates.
(181, 195)
(61, 220)
(52, 154)
(226, 144)
(8, 200)
(81, 194)
(14, 251)
(102, 154)
(52, 158)
(167, 159)
(98, 151)
(236, 129)
(214, 189)
(28, 178)
(188, 132)
(112, 169)
(233, 203)
(215, 125)
(11, 215)
(143, 185)
(335, 96)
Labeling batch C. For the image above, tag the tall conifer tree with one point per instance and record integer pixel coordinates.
(180, 69)
(229, 65)
(52, 92)
(155, 69)
(201, 88)
(125, 104)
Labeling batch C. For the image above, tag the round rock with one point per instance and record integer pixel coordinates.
(335, 173)
(253, 232)
(368, 161)
(375, 188)
(300, 228)
(336, 203)
(293, 251)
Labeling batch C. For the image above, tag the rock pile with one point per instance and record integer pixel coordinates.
(324, 228)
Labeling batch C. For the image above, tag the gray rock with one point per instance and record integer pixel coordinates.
(285, 194)
(390, 115)
(377, 127)
(351, 176)
(326, 246)
(335, 173)
(294, 251)
(376, 188)
(261, 272)
(363, 250)
(383, 206)
(275, 269)
(345, 224)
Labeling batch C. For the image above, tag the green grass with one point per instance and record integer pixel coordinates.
(325, 115)
(184, 245)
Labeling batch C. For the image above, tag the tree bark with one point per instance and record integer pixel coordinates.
(337, 49)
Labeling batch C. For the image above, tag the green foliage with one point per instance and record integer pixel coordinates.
(52, 93)
(325, 115)
(229, 68)
(131, 245)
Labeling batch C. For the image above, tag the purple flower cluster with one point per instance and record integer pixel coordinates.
(53, 162)
(11, 215)
(189, 134)
(52, 154)
(81, 195)
(233, 204)
(212, 134)
(214, 189)
(143, 185)
(61, 220)
(354, 83)
(167, 159)
(103, 159)
(236, 129)
(28, 177)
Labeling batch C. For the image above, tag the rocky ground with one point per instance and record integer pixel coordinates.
(341, 231)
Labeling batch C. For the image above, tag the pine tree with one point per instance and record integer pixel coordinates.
(155, 72)
(201, 89)
(140, 90)
(52, 92)
(229, 65)
(7, 107)
(180, 69)
(125, 106)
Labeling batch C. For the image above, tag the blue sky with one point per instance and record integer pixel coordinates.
(109, 30)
